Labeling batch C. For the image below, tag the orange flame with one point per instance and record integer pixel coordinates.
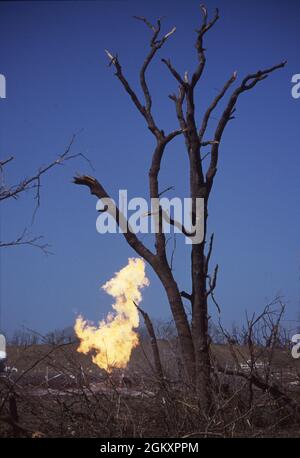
(114, 339)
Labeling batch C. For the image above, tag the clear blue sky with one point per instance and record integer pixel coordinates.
(59, 83)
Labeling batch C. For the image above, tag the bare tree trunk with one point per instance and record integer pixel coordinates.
(198, 264)
(200, 327)
(181, 322)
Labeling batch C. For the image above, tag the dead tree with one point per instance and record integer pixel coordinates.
(193, 337)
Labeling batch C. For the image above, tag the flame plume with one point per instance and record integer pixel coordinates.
(114, 339)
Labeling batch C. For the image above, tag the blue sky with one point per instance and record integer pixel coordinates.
(59, 83)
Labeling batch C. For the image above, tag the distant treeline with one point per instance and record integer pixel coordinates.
(164, 330)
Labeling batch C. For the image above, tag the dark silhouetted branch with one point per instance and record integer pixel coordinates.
(206, 26)
(27, 239)
(248, 82)
(211, 109)
(97, 189)
(186, 295)
(154, 344)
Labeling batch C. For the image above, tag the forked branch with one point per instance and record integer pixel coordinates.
(155, 45)
(248, 83)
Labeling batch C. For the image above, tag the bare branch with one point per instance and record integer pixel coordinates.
(174, 134)
(212, 282)
(205, 156)
(210, 142)
(174, 72)
(165, 190)
(154, 188)
(212, 107)
(186, 295)
(143, 19)
(179, 109)
(154, 344)
(173, 253)
(215, 302)
(248, 83)
(5, 161)
(169, 34)
(26, 239)
(177, 224)
(119, 73)
(110, 56)
(164, 215)
(206, 26)
(34, 182)
(97, 189)
(210, 248)
(155, 44)
(259, 76)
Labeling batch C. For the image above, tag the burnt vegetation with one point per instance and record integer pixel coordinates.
(57, 392)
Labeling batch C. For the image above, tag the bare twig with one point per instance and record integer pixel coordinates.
(34, 182)
(26, 239)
